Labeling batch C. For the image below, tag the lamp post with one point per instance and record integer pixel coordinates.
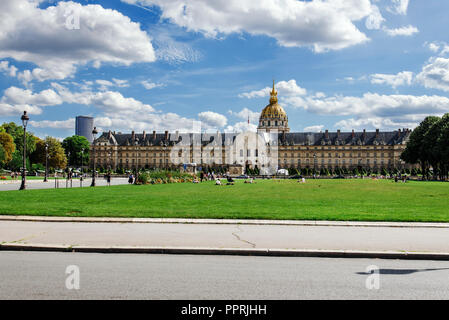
(46, 162)
(94, 134)
(82, 171)
(24, 119)
(136, 142)
(68, 169)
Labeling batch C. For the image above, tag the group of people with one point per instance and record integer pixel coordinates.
(14, 175)
(400, 178)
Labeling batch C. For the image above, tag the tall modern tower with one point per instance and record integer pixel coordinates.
(84, 126)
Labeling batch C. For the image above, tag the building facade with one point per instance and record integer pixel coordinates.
(272, 146)
(84, 126)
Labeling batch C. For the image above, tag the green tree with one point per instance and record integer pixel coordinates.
(17, 133)
(56, 156)
(75, 144)
(416, 150)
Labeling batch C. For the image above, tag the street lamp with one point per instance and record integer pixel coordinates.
(46, 162)
(24, 119)
(94, 134)
(82, 171)
(136, 142)
(68, 169)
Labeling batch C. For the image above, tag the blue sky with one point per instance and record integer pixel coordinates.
(178, 64)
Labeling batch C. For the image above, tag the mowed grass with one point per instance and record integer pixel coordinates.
(357, 200)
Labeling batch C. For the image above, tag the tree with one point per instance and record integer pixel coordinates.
(416, 151)
(75, 144)
(8, 146)
(17, 134)
(56, 156)
(2, 155)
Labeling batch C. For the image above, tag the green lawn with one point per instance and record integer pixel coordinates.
(363, 200)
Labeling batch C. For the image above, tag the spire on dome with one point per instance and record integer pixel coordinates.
(274, 95)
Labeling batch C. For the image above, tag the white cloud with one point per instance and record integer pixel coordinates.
(241, 127)
(18, 96)
(150, 85)
(322, 25)
(213, 119)
(284, 88)
(403, 31)
(375, 105)
(17, 109)
(399, 7)
(29, 33)
(64, 124)
(245, 113)
(114, 103)
(376, 123)
(8, 69)
(375, 19)
(435, 74)
(393, 80)
(172, 51)
(434, 47)
(317, 128)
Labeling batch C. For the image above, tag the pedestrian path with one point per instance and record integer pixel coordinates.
(259, 238)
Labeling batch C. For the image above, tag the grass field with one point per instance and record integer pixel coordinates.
(359, 200)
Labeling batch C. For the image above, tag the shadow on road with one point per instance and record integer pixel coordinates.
(401, 271)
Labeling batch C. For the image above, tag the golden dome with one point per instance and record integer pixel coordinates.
(273, 110)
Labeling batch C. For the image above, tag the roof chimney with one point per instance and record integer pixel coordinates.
(109, 134)
(133, 136)
(144, 135)
(154, 135)
(177, 135)
(338, 133)
(377, 133)
(326, 134)
(166, 135)
(353, 133)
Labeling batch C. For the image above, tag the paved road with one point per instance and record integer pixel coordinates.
(226, 236)
(39, 184)
(32, 275)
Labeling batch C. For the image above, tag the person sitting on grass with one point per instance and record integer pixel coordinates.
(218, 182)
(251, 180)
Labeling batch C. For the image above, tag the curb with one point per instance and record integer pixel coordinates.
(228, 221)
(231, 251)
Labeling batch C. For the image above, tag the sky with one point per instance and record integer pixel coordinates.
(208, 65)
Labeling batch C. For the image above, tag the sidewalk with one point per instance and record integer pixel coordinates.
(408, 241)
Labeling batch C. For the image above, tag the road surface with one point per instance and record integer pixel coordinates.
(42, 275)
(61, 183)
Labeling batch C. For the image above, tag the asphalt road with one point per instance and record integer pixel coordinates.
(61, 183)
(40, 275)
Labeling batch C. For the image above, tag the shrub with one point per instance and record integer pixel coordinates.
(143, 178)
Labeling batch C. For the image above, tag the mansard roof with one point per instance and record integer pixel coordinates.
(284, 139)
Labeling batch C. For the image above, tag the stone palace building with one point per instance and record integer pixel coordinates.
(274, 145)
